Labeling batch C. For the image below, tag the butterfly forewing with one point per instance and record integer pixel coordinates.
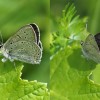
(36, 30)
(91, 41)
(90, 48)
(26, 33)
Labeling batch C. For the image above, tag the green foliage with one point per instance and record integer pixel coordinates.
(70, 28)
(70, 73)
(12, 87)
(14, 15)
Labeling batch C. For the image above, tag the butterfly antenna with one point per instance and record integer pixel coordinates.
(1, 38)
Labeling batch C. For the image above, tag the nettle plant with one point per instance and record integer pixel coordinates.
(12, 87)
(70, 73)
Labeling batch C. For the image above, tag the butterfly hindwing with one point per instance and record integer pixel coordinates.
(26, 52)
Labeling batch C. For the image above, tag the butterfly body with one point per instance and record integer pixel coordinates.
(5, 54)
(24, 46)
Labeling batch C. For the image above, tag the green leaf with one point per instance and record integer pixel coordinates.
(70, 27)
(70, 73)
(12, 87)
(70, 76)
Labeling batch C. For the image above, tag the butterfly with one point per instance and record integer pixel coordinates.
(23, 46)
(91, 47)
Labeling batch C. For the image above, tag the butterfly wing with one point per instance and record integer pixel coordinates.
(26, 52)
(25, 45)
(97, 38)
(37, 33)
(90, 48)
(26, 33)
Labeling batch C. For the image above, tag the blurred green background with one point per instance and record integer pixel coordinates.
(85, 8)
(15, 14)
(89, 8)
